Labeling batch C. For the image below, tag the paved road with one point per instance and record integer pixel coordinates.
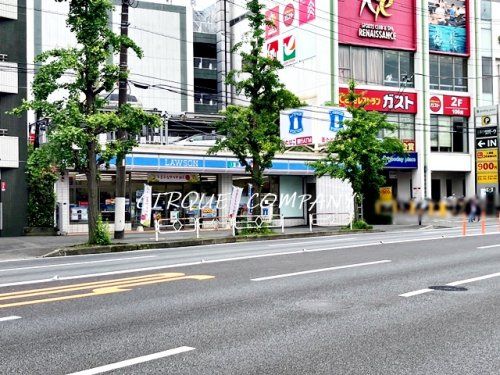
(416, 302)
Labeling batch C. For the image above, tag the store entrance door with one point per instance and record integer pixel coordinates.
(436, 190)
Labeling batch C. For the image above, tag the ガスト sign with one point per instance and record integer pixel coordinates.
(374, 23)
(384, 101)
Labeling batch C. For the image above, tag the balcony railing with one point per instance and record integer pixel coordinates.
(205, 63)
(205, 98)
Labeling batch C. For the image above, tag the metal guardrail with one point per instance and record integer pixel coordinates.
(331, 219)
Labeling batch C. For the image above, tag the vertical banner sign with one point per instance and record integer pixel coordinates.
(234, 203)
(146, 206)
(486, 144)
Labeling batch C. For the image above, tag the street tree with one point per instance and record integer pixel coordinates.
(252, 132)
(70, 89)
(358, 153)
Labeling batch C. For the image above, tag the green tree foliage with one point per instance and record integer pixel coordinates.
(252, 132)
(70, 89)
(357, 154)
(41, 175)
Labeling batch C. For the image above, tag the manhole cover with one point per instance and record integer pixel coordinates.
(448, 288)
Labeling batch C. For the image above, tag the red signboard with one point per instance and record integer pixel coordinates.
(3, 186)
(383, 101)
(272, 49)
(273, 16)
(307, 11)
(449, 105)
(372, 23)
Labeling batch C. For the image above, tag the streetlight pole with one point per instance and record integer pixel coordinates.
(121, 134)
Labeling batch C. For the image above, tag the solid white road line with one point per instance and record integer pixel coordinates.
(415, 292)
(455, 283)
(133, 361)
(319, 270)
(488, 247)
(75, 263)
(7, 318)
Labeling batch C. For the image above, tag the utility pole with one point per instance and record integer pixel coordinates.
(121, 134)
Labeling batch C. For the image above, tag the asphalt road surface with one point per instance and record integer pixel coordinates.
(415, 302)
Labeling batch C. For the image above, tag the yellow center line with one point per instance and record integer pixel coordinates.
(99, 288)
(82, 286)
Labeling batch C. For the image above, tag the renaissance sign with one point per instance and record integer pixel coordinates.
(378, 23)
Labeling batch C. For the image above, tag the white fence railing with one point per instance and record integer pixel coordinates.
(197, 225)
(332, 219)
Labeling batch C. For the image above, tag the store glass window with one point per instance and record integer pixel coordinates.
(448, 73)
(374, 66)
(406, 127)
(271, 185)
(449, 134)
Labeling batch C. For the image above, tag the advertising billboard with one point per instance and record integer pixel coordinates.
(383, 100)
(373, 23)
(311, 125)
(448, 26)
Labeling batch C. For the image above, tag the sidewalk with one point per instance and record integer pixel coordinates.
(12, 248)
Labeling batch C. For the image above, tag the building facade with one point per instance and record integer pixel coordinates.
(426, 64)
(13, 134)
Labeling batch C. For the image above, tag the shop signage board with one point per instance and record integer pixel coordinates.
(487, 146)
(171, 177)
(450, 105)
(486, 132)
(406, 161)
(486, 142)
(383, 100)
(311, 125)
(383, 24)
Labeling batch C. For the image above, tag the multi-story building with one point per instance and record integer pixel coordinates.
(13, 150)
(426, 64)
(181, 76)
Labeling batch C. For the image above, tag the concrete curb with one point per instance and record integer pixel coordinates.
(116, 248)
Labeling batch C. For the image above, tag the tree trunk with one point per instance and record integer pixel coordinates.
(92, 174)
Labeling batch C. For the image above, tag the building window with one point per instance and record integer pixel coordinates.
(449, 134)
(487, 66)
(486, 10)
(373, 66)
(448, 73)
(406, 127)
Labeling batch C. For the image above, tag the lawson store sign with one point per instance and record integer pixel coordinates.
(200, 164)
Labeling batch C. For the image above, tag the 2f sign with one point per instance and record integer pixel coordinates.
(456, 102)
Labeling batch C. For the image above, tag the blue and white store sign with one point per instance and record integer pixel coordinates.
(201, 164)
(406, 161)
(311, 125)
